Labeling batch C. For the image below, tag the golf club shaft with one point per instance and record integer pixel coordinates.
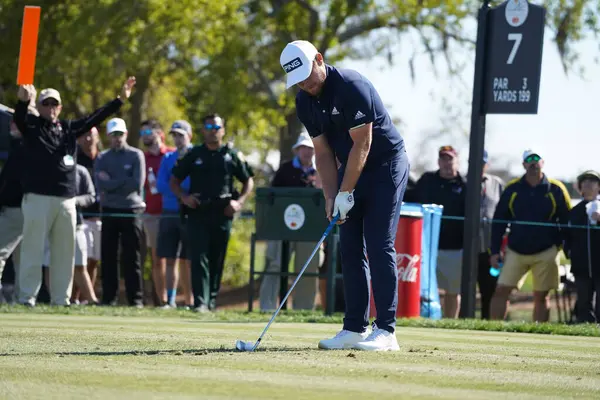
(325, 234)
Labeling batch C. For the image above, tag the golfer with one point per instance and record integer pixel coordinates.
(348, 123)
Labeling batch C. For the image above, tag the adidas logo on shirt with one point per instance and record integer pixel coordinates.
(335, 111)
(359, 115)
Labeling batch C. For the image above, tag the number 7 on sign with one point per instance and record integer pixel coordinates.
(517, 37)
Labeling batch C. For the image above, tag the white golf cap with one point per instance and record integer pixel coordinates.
(49, 94)
(116, 125)
(303, 140)
(296, 60)
(530, 152)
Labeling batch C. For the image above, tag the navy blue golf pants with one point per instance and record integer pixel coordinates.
(370, 231)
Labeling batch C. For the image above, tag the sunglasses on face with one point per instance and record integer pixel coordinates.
(117, 134)
(146, 132)
(446, 148)
(533, 158)
(211, 126)
(50, 103)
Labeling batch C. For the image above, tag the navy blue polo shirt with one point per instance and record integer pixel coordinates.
(349, 100)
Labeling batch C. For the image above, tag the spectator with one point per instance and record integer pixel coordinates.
(88, 149)
(582, 246)
(86, 196)
(11, 196)
(212, 206)
(172, 235)
(447, 187)
(120, 175)
(298, 172)
(49, 188)
(532, 198)
(491, 189)
(153, 137)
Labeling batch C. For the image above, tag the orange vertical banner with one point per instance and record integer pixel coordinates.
(29, 38)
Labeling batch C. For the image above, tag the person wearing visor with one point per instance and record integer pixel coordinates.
(582, 246)
(532, 198)
(120, 174)
(49, 187)
(347, 121)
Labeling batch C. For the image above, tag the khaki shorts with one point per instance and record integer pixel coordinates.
(543, 266)
(93, 235)
(81, 245)
(151, 229)
(449, 270)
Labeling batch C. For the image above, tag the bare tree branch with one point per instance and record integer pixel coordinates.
(456, 37)
(314, 18)
(334, 26)
(370, 24)
(265, 84)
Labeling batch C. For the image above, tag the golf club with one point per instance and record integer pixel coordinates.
(249, 346)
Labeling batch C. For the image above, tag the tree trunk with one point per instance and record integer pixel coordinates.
(288, 136)
(136, 100)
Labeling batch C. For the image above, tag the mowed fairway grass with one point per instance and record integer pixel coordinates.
(58, 356)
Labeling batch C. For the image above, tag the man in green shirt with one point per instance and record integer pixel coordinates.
(211, 205)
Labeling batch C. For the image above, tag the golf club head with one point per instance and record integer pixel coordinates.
(241, 345)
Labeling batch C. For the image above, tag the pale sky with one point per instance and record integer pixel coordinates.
(564, 131)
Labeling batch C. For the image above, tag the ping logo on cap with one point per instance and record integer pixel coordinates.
(292, 65)
(112, 124)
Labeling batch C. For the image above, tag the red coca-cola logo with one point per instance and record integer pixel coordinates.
(407, 267)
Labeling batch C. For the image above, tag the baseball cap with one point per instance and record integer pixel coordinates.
(49, 94)
(303, 140)
(449, 150)
(530, 152)
(181, 126)
(116, 125)
(297, 60)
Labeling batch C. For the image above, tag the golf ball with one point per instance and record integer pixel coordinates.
(243, 346)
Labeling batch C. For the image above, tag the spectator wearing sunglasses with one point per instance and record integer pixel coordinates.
(532, 198)
(172, 235)
(153, 137)
(447, 187)
(211, 205)
(120, 174)
(49, 186)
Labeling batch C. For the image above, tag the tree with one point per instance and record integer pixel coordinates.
(87, 48)
(248, 75)
(224, 56)
(251, 78)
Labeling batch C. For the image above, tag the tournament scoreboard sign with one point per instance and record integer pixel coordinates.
(514, 58)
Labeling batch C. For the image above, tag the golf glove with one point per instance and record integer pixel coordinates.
(344, 201)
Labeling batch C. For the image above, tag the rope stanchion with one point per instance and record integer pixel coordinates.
(250, 215)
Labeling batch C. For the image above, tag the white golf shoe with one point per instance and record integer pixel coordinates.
(343, 340)
(379, 340)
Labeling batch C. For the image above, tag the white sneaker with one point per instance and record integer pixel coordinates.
(343, 340)
(379, 340)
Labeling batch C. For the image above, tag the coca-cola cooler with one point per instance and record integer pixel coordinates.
(416, 260)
